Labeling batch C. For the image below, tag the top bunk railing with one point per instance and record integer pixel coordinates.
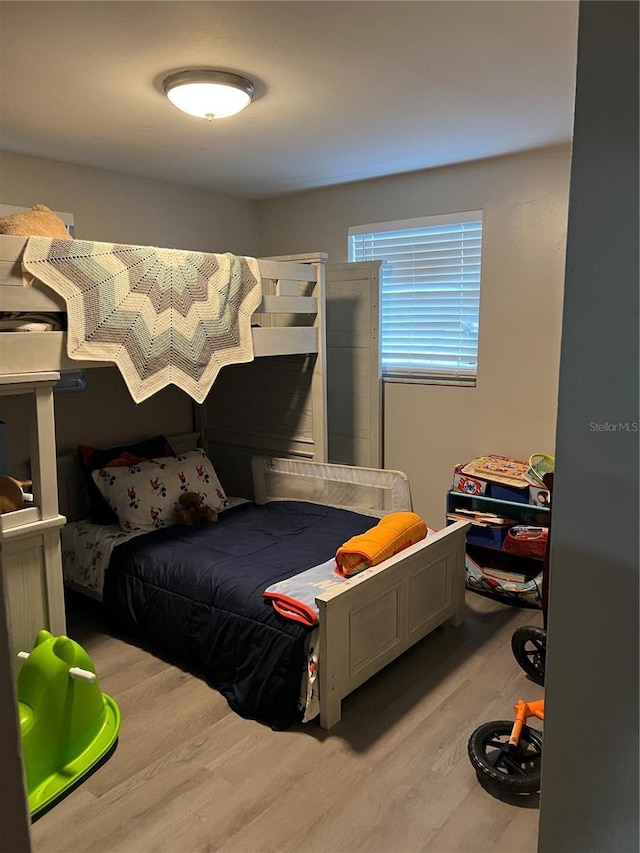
(289, 320)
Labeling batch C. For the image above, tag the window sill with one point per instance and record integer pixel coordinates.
(459, 381)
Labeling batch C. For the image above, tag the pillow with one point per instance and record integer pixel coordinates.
(144, 495)
(91, 458)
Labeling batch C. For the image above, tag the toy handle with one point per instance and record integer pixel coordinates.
(82, 674)
(74, 671)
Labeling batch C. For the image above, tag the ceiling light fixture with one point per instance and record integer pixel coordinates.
(208, 94)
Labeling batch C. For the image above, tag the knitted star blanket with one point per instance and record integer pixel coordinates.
(163, 316)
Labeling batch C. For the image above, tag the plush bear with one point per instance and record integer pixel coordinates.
(191, 509)
(37, 222)
(11, 494)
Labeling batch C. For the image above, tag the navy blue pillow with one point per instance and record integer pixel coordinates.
(92, 457)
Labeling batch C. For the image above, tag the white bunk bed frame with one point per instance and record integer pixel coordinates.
(367, 621)
(282, 283)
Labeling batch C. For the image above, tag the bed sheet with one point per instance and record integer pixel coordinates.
(86, 551)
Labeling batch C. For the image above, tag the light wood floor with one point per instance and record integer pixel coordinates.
(393, 776)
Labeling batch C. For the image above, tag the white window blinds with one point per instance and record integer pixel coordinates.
(430, 297)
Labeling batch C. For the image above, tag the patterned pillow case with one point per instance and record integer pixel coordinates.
(143, 496)
(92, 458)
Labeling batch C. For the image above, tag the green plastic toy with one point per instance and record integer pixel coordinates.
(67, 725)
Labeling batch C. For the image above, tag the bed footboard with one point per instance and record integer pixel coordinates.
(375, 616)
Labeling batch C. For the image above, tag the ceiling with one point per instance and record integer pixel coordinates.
(344, 90)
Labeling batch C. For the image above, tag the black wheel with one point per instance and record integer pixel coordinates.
(516, 769)
(529, 645)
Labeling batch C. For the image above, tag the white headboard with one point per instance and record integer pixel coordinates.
(73, 497)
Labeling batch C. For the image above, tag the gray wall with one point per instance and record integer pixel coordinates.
(119, 208)
(512, 410)
(590, 763)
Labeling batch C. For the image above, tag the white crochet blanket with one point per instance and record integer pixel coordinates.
(163, 316)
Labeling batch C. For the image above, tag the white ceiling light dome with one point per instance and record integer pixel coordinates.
(208, 94)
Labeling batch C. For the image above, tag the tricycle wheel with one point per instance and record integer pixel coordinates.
(516, 769)
(529, 645)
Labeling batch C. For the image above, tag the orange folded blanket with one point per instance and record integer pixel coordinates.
(392, 534)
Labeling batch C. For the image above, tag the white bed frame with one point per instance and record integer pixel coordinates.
(369, 620)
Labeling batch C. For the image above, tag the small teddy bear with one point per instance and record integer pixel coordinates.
(191, 509)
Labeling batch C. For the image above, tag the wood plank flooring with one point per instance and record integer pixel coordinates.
(190, 776)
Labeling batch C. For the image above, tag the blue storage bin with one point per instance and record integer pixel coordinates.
(502, 492)
(489, 537)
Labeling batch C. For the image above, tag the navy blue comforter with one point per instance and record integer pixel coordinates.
(197, 592)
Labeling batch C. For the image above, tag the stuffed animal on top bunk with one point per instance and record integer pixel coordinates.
(191, 509)
(37, 222)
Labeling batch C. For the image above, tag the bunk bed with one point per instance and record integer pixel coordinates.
(366, 621)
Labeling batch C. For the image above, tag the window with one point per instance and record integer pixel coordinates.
(430, 296)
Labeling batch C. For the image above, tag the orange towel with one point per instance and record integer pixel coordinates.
(392, 534)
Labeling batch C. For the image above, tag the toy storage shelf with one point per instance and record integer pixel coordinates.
(30, 565)
(508, 575)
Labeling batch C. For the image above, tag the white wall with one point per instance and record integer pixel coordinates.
(118, 208)
(512, 410)
(122, 209)
(589, 800)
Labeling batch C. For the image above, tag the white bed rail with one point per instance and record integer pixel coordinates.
(289, 320)
(369, 491)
